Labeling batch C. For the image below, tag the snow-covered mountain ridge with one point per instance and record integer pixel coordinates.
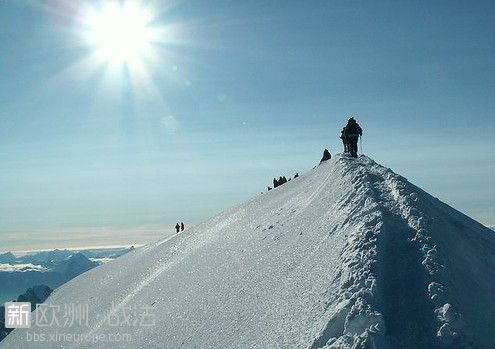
(349, 255)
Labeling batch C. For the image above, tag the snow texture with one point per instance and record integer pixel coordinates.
(349, 255)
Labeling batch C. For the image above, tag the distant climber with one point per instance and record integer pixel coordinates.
(269, 188)
(352, 132)
(344, 140)
(296, 175)
(177, 227)
(278, 182)
(326, 156)
(181, 226)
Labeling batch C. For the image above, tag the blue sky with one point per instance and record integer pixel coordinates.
(240, 92)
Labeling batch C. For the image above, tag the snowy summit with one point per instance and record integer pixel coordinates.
(349, 255)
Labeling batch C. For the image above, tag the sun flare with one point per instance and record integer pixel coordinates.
(127, 45)
(120, 32)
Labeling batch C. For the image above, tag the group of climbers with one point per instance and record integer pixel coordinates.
(179, 227)
(350, 135)
(281, 180)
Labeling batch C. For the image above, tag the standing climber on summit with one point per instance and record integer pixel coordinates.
(352, 132)
(344, 140)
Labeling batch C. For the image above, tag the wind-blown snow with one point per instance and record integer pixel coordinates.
(349, 255)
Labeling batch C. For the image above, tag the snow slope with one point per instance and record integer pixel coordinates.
(349, 255)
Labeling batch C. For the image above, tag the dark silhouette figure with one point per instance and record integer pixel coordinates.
(352, 133)
(344, 140)
(278, 182)
(296, 175)
(177, 227)
(181, 226)
(326, 156)
(269, 188)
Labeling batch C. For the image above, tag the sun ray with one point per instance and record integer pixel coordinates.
(127, 48)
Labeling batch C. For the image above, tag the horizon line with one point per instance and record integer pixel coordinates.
(76, 248)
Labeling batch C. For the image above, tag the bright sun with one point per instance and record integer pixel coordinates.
(120, 32)
(127, 43)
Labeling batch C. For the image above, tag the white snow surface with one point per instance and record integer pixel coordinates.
(349, 255)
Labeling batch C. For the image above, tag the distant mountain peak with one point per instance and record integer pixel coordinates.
(36, 295)
(7, 257)
(74, 265)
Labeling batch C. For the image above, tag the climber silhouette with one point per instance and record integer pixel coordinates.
(352, 132)
(344, 140)
(326, 156)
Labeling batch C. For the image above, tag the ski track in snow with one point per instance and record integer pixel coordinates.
(348, 255)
